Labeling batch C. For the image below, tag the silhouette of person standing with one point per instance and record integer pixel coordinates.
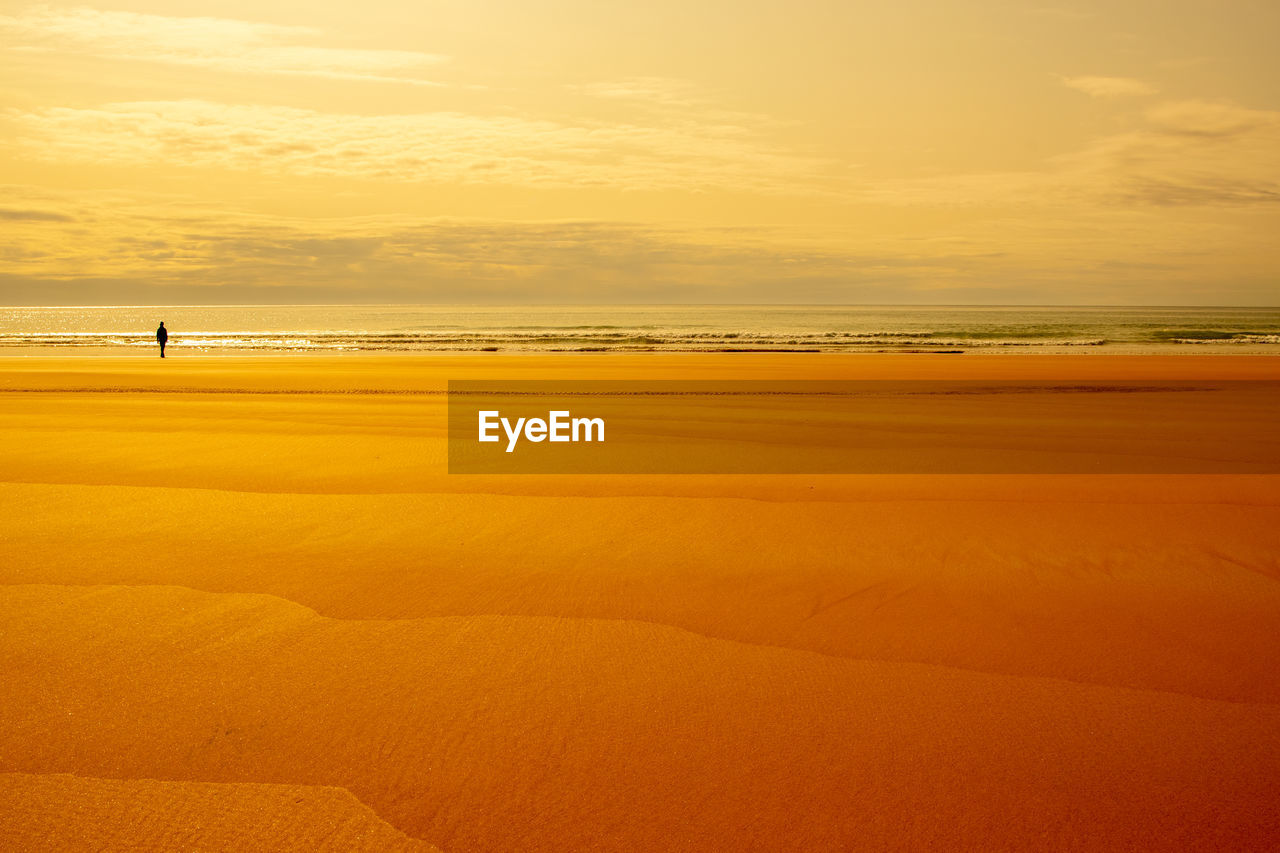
(162, 337)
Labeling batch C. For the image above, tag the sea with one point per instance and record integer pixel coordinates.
(642, 328)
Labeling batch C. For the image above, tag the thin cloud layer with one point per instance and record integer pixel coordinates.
(658, 90)
(1210, 119)
(1109, 87)
(220, 44)
(431, 147)
(1190, 153)
(1183, 153)
(10, 215)
(156, 241)
(104, 249)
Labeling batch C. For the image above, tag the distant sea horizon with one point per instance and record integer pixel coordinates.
(643, 328)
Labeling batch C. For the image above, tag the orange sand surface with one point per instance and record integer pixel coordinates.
(244, 607)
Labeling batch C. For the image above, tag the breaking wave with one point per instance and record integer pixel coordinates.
(553, 340)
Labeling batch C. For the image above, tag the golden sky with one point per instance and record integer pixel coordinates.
(919, 151)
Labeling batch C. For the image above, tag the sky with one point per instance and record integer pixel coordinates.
(671, 151)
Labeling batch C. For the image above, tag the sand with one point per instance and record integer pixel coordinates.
(237, 618)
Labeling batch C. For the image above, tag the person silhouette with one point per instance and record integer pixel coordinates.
(162, 337)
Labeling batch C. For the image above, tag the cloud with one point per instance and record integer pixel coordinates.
(146, 247)
(1189, 153)
(1203, 191)
(426, 147)
(1109, 87)
(1182, 154)
(657, 90)
(215, 43)
(1207, 118)
(10, 215)
(167, 249)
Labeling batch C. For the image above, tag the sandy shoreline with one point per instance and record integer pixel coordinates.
(217, 594)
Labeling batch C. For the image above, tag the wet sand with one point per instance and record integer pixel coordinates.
(238, 618)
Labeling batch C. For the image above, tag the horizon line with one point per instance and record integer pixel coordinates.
(645, 305)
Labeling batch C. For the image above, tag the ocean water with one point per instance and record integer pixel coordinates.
(641, 328)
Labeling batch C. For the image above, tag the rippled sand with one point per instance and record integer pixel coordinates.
(240, 619)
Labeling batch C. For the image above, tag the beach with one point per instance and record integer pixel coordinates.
(246, 606)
